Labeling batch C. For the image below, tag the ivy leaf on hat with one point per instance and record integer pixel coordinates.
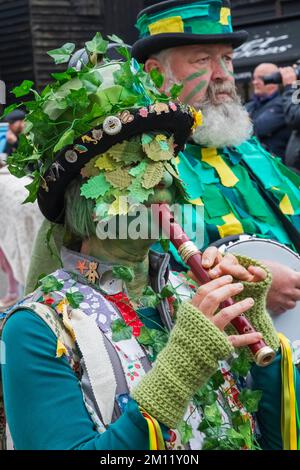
(63, 54)
(23, 89)
(33, 188)
(66, 139)
(97, 45)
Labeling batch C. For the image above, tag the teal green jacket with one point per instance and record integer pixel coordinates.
(44, 404)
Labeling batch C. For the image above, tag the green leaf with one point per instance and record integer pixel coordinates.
(9, 109)
(74, 299)
(160, 339)
(167, 291)
(186, 432)
(38, 282)
(97, 45)
(237, 419)
(124, 273)
(213, 414)
(233, 435)
(95, 187)
(246, 432)
(205, 396)
(150, 298)
(241, 365)
(210, 443)
(203, 426)
(157, 78)
(124, 52)
(120, 331)
(217, 380)
(91, 81)
(176, 91)
(51, 284)
(63, 77)
(78, 99)
(250, 399)
(63, 54)
(33, 188)
(157, 339)
(23, 89)
(115, 39)
(124, 77)
(66, 139)
(145, 337)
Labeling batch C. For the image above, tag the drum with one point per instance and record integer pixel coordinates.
(287, 323)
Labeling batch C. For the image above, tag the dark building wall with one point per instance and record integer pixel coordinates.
(55, 22)
(120, 17)
(251, 11)
(30, 28)
(16, 53)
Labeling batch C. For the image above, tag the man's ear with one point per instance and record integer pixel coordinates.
(154, 64)
(151, 64)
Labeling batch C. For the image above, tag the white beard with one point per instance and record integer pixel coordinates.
(224, 125)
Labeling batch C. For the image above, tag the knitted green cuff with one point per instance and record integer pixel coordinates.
(189, 359)
(258, 314)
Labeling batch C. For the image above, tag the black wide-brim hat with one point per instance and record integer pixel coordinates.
(175, 23)
(171, 118)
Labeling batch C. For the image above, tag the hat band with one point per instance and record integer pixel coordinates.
(197, 19)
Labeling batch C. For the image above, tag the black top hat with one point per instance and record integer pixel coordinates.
(176, 23)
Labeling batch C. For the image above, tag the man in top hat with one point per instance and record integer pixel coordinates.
(244, 189)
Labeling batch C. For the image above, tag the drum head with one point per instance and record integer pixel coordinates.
(287, 323)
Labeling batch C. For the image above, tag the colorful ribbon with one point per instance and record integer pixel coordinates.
(156, 440)
(289, 407)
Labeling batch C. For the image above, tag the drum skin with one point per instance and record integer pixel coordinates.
(287, 323)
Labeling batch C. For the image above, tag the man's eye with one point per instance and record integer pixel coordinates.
(228, 59)
(202, 60)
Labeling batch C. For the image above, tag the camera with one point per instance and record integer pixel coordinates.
(276, 78)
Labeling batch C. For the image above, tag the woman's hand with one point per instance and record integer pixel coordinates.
(219, 265)
(208, 299)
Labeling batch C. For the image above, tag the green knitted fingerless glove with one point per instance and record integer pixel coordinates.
(189, 359)
(258, 315)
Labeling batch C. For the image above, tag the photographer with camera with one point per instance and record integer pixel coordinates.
(266, 111)
(289, 77)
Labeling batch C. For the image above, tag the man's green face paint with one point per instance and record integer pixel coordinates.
(201, 84)
(225, 68)
(195, 75)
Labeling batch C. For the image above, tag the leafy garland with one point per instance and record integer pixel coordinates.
(69, 107)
